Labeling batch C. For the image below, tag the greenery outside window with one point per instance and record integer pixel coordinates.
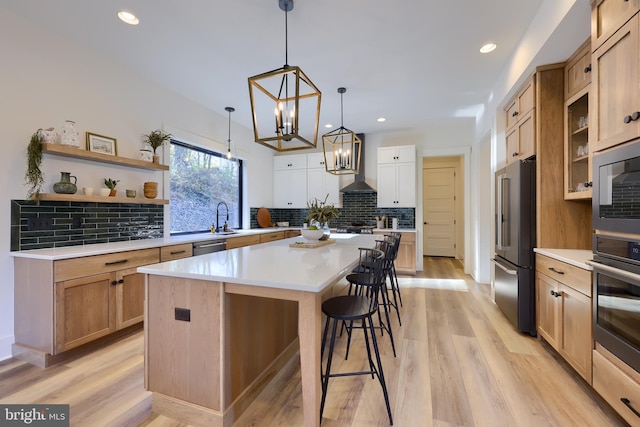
(200, 180)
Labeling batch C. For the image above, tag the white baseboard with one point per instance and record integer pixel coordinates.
(5, 347)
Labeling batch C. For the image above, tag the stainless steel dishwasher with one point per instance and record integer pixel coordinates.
(209, 246)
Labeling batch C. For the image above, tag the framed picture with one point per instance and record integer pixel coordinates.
(102, 144)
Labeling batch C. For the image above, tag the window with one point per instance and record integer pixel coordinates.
(200, 180)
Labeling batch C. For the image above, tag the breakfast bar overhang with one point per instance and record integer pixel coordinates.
(219, 326)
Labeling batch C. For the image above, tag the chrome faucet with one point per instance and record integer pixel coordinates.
(218, 217)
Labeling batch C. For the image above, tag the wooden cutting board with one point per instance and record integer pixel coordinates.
(264, 218)
(307, 244)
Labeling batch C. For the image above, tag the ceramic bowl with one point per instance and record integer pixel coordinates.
(312, 234)
(131, 193)
(282, 224)
(88, 191)
(104, 192)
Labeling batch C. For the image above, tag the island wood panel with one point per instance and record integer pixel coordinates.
(560, 223)
(258, 331)
(184, 357)
(406, 259)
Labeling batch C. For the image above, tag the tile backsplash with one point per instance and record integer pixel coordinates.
(356, 207)
(46, 224)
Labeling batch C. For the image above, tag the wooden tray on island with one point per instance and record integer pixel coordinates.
(308, 244)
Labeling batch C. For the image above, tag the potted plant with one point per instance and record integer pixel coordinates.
(111, 184)
(34, 176)
(321, 213)
(156, 139)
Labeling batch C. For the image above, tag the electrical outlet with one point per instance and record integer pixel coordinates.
(183, 314)
(38, 224)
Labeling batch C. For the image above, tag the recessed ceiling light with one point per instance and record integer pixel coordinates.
(328, 125)
(489, 47)
(382, 119)
(128, 17)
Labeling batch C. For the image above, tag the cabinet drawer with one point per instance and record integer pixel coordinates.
(270, 237)
(614, 385)
(238, 242)
(578, 70)
(572, 276)
(168, 253)
(291, 233)
(87, 266)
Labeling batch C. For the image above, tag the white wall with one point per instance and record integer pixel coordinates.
(46, 80)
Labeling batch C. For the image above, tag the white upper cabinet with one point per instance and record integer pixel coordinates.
(397, 177)
(290, 181)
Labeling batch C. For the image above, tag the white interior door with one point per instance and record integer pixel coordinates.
(439, 233)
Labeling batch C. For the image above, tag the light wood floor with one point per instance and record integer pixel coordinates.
(460, 363)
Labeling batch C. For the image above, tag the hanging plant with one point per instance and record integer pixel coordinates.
(34, 176)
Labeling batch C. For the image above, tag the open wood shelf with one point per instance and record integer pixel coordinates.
(98, 199)
(76, 153)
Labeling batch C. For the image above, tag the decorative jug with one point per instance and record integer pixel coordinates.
(65, 186)
(70, 134)
(49, 135)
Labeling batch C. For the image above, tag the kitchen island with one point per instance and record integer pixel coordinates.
(219, 326)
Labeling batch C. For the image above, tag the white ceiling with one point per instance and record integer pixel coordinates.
(415, 62)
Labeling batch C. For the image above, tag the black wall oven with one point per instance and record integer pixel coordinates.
(616, 251)
(616, 290)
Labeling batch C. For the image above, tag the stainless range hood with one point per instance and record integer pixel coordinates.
(359, 185)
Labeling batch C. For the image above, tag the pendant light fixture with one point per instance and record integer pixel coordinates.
(341, 147)
(229, 110)
(285, 104)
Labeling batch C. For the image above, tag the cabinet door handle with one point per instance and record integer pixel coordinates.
(587, 69)
(121, 281)
(515, 113)
(627, 402)
(177, 252)
(556, 271)
(588, 184)
(114, 283)
(515, 154)
(635, 115)
(121, 261)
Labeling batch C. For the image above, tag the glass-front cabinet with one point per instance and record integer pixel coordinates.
(577, 177)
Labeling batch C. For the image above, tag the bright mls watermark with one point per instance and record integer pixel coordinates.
(34, 415)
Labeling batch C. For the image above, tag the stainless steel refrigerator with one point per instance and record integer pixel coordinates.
(514, 261)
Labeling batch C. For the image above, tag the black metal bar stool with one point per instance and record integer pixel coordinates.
(349, 308)
(389, 272)
(395, 286)
(382, 296)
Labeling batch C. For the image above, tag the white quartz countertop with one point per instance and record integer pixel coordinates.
(67, 252)
(575, 257)
(273, 265)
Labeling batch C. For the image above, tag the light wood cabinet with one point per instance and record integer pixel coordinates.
(291, 233)
(577, 74)
(521, 139)
(406, 259)
(240, 241)
(61, 305)
(270, 237)
(578, 155)
(609, 15)
(168, 253)
(521, 123)
(563, 294)
(618, 384)
(397, 177)
(615, 109)
(521, 104)
(558, 224)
